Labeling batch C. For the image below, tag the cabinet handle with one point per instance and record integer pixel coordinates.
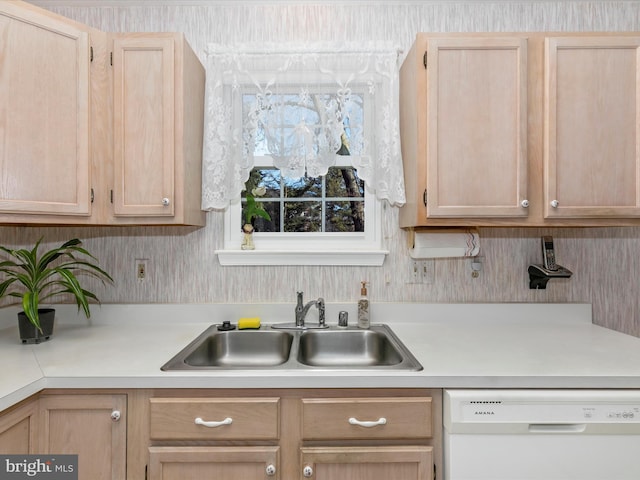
(270, 470)
(115, 415)
(525, 203)
(165, 202)
(380, 421)
(555, 203)
(307, 471)
(226, 421)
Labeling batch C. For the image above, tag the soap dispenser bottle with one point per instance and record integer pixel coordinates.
(363, 307)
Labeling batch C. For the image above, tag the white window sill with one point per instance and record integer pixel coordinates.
(374, 258)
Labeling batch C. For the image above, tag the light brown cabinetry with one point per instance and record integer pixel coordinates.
(189, 434)
(45, 146)
(342, 431)
(96, 128)
(92, 426)
(158, 91)
(321, 434)
(592, 121)
(520, 129)
(471, 124)
(18, 428)
(370, 463)
(174, 421)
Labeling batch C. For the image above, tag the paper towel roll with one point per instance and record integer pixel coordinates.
(445, 243)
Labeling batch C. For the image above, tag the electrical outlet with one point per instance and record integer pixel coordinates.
(142, 269)
(422, 271)
(414, 275)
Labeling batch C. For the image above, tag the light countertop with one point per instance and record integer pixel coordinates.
(507, 345)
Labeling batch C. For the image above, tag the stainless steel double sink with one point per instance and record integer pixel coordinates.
(330, 348)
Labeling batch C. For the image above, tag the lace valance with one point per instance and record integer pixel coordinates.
(301, 106)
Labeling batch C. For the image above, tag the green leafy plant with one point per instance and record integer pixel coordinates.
(255, 209)
(35, 278)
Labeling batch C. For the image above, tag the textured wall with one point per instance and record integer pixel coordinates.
(182, 265)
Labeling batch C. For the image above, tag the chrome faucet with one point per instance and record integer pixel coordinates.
(301, 310)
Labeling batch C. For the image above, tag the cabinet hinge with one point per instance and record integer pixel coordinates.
(424, 197)
(92, 195)
(91, 54)
(111, 195)
(424, 59)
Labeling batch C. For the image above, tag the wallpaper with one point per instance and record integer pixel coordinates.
(182, 266)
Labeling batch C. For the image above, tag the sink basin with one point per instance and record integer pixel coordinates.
(353, 348)
(237, 348)
(330, 348)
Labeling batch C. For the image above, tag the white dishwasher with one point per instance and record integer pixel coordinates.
(541, 434)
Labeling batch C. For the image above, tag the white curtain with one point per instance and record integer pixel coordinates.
(300, 105)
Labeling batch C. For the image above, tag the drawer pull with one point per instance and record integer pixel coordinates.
(226, 421)
(380, 421)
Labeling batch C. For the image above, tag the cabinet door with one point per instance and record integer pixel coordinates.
(476, 127)
(367, 463)
(18, 429)
(196, 463)
(144, 115)
(44, 114)
(592, 143)
(83, 425)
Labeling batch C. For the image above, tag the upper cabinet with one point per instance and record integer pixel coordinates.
(476, 127)
(592, 147)
(44, 114)
(96, 128)
(520, 129)
(158, 111)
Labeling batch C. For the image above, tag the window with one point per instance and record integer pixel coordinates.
(332, 219)
(317, 132)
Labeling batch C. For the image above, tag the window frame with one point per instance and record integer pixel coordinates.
(295, 248)
(322, 248)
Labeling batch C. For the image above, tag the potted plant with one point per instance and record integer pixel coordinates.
(252, 210)
(35, 278)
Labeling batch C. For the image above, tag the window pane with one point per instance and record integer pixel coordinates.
(303, 187)
(345, 217)
(344, 182)
(303, 217)
(287, 111)
(269, 178)
(264, 225)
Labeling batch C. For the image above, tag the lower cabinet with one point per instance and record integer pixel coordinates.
(201, 421)
(196, 463)
(353, 434)
(370, 463)
(92, 426)
(295, 434)
(18, 428)
(247, 434)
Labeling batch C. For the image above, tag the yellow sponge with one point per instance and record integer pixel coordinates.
(253, 322)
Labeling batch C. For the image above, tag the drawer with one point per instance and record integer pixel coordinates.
(366, 418)
(220, 419)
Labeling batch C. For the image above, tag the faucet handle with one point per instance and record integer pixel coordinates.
(300, 301)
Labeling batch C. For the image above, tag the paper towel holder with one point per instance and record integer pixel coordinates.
(443, 243)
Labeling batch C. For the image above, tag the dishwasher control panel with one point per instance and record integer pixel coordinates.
(506, 411)
(542, 406)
